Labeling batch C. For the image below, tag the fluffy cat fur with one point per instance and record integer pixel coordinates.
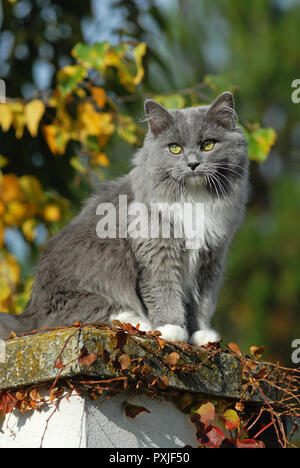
(158, 283)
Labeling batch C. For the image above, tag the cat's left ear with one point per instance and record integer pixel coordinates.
(158, 117)
(223, 112)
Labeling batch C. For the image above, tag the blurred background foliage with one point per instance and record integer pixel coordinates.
(76, 76)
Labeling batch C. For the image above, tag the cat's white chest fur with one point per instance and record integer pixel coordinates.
(213, 227)
(209, 218)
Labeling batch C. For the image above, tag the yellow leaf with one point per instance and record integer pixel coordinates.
(89, 119)
(10, 188)
(18, 118)
(50, 133)
(56, 138)
(52, 213)
(99, 96)
(91, 122)
(9, 269)
(15, 212)
(2, 232)
(101, 159)
(28, 228)
(139, 53)
(5, 293)
(17, 107)
(6, 116)
(31, 187)
(106, 125)
(34, 111)
(80, 93)
(111, 59)
(2, 208)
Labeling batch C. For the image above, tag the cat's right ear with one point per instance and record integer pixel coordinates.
(158, 117)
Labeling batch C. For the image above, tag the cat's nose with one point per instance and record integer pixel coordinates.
(193, 165)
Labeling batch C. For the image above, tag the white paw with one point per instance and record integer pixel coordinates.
(202, 337)
(173, 333)
(128, 316)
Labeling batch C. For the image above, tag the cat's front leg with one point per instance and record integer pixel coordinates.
(160, 287)
(166, 312)
(204, 333)
(205, 293)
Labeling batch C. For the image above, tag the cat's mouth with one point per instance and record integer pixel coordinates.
(196, 179)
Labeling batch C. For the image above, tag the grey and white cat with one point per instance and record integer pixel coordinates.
(195, 155)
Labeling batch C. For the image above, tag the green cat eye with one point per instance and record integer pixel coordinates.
(208, 145)
(175, 149)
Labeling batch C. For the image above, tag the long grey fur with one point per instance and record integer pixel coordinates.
(158, 281)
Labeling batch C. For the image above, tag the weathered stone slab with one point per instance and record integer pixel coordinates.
(31, 360)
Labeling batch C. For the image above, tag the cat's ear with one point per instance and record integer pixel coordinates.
(158, 117)
(223, 112)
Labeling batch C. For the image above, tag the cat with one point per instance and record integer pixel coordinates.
(194, 155)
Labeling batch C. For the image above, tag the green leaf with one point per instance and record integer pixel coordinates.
(77, 165)
(3, 161)
(127, 129)
(93, 143)
(69, 77)
(232, 419)
(131, 71)
(170, 101)
(260, 142)
(91, 56)
(219, 83)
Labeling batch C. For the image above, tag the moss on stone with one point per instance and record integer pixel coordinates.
(31, 360)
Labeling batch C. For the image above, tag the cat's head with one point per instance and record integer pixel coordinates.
(201, 147)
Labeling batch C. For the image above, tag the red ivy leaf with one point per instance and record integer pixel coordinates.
(7, 403)
(121, 337)
(164, 380)
(172, 359)
(262, 374)
(78, 324)
(250, 443)
(257, 351)
(234, 347)
(207, 413)
(58, 364)
(232, 419)
(87, 360)
(215, 437)
(124, 361)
